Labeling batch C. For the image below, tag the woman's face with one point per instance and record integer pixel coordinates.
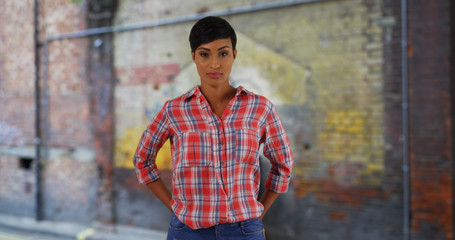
(214, 61)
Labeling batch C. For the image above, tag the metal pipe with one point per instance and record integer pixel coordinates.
(38, 145)
(180, 19)
(405, 120)
(45, 103)
(452, 94)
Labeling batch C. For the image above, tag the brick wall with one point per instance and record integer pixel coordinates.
(70, 169)
(17, 74)
(17, 187)
(345, 126)
(332, 68)
(430, 116)
(68, 172)
(17, 106)
(328, 76)
(392, 93)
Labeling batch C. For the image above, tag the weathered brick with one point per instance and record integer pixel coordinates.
(337, 66)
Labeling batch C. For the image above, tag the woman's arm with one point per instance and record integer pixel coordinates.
(267, 199)
(160, 190)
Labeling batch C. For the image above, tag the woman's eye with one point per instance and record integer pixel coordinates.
(203, 54)
(224, 54)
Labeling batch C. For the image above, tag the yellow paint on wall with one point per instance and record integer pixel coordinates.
(126, 147)
(348, 137)
(285, 78)
(163, 160)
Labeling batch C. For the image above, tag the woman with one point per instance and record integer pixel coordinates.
(215, 132)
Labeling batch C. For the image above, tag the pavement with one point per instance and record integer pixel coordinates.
(66, 230)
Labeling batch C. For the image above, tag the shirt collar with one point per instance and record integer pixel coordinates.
(195, 91)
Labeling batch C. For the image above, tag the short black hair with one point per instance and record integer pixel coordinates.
(209, 29)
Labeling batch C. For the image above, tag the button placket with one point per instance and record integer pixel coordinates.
(222, 163)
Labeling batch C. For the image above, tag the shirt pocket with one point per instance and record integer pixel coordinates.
(246, 145)
(196, 149)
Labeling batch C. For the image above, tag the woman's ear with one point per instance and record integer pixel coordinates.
(235, 53)
(193, 55)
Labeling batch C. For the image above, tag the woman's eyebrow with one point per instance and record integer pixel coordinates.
(203, 48)
(221, 48)
(207, 49)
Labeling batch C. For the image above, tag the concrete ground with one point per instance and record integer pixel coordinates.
(60, 230)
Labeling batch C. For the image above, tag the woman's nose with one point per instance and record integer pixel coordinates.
(214, 63)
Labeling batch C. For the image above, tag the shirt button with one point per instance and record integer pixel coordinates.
(222, 143)
(223, 163)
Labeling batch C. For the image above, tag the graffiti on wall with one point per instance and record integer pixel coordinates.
(325, 85)
(140, 94)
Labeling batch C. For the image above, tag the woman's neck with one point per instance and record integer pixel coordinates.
(218, 97)
(218, 94)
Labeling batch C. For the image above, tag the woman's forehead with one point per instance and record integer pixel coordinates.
(217, 44)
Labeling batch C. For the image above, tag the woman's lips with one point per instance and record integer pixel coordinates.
(214, 74)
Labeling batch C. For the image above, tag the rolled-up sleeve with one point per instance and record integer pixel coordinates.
(153, 138)
(277, 149)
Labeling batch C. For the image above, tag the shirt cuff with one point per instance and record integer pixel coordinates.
(277, 183)
(147, 175)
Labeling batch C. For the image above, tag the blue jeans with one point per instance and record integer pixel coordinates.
(250, 229)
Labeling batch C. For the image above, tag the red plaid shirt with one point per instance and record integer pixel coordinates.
(216, 160)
